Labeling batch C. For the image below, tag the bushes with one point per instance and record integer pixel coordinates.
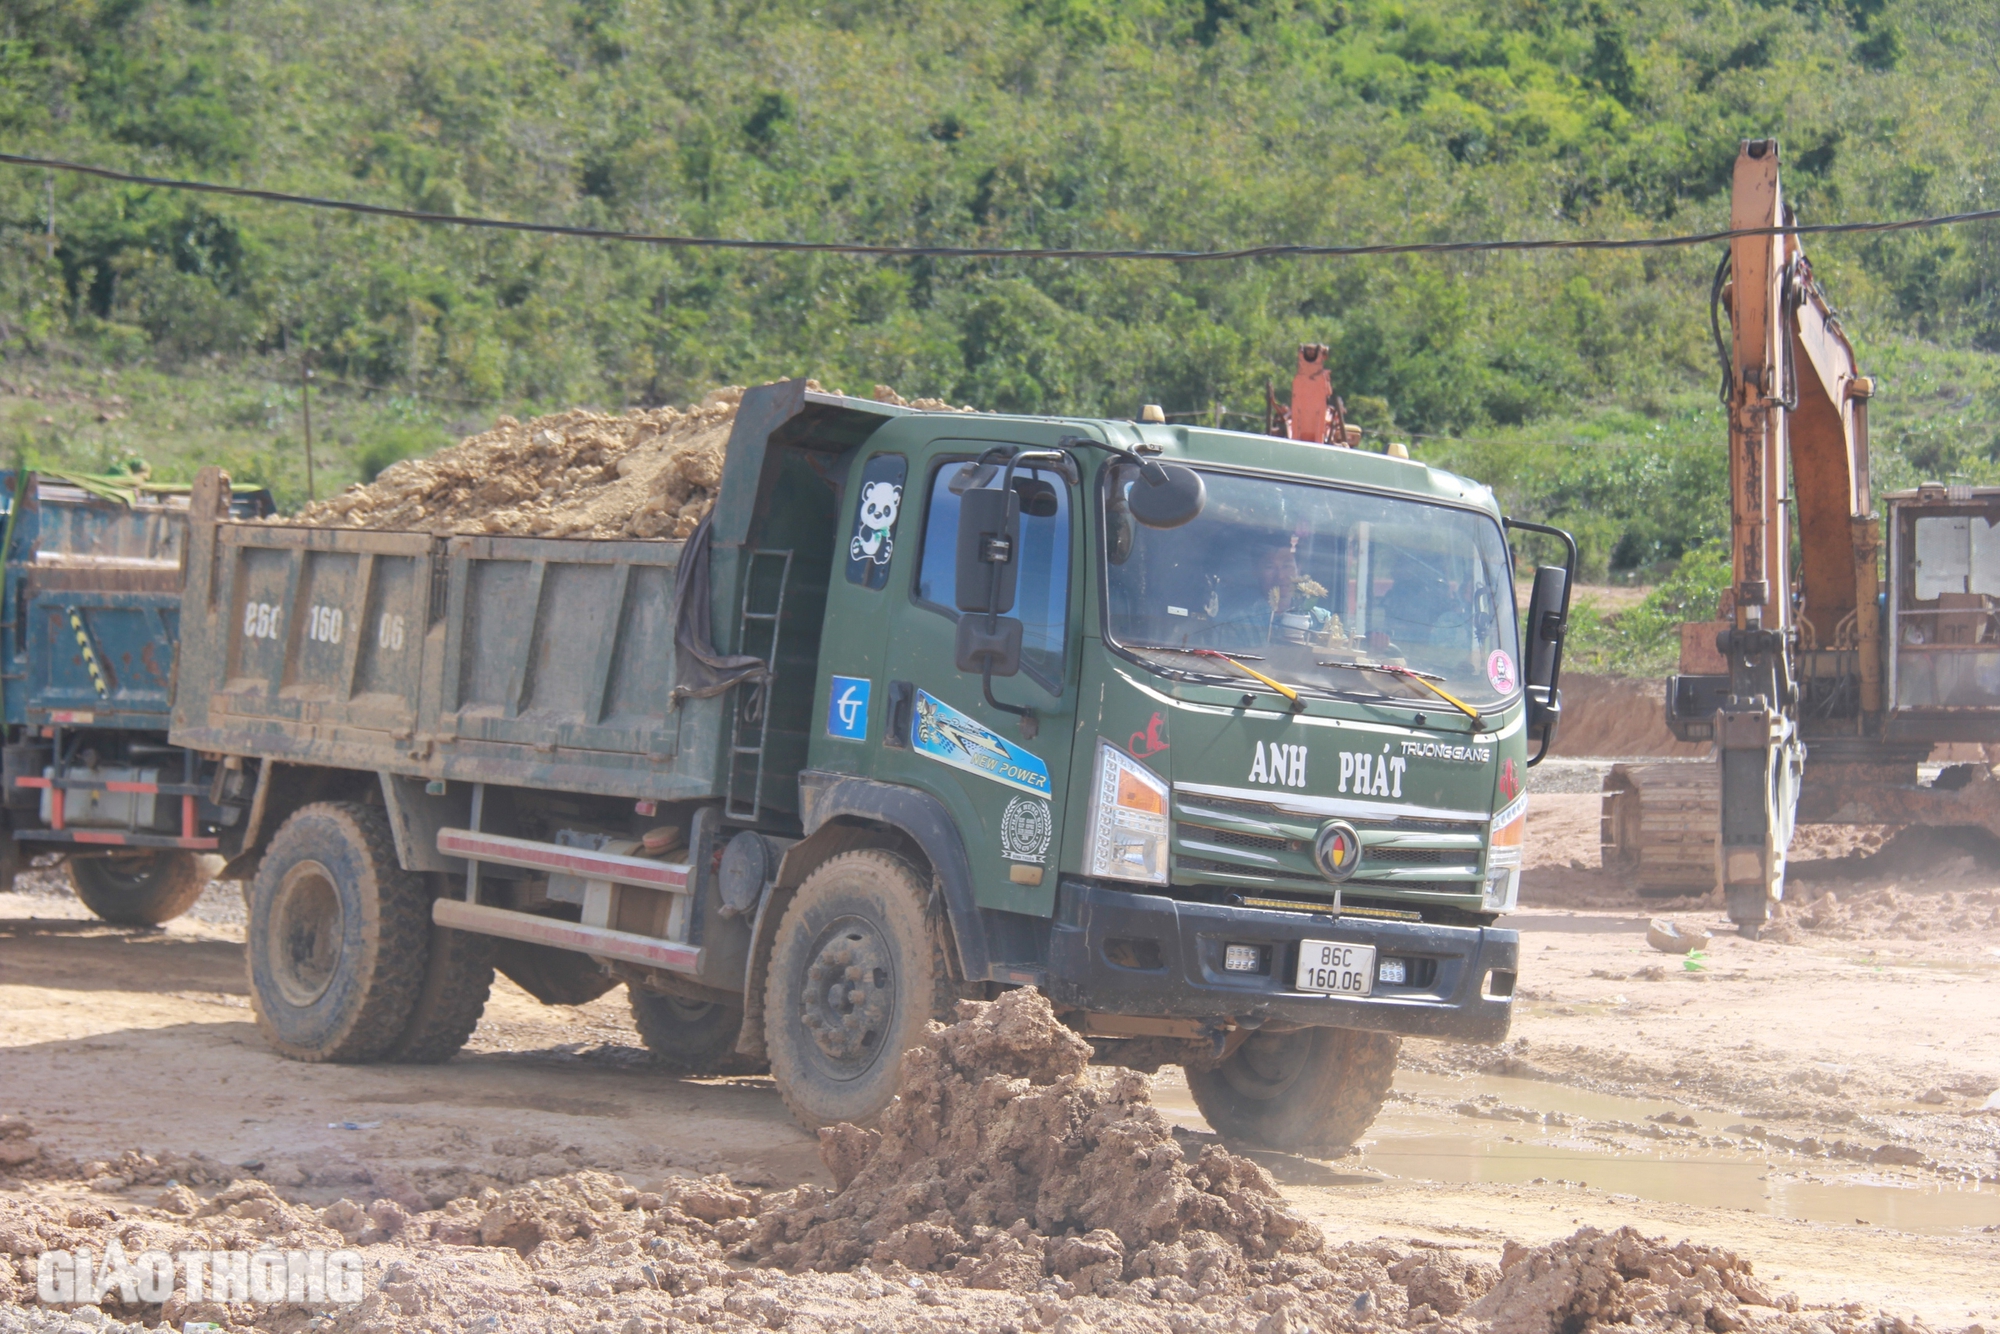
(1176, 123)
(1646, 640)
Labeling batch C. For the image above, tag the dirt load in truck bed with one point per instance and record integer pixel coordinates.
(649, 472)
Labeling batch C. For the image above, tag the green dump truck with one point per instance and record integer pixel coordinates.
(1218, 739)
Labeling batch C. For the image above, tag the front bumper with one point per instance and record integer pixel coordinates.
(1116, 951)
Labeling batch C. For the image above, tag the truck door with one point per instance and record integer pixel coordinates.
(1003, 788)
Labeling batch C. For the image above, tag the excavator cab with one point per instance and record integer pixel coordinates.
(1944, 613)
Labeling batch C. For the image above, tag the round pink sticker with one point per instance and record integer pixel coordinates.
(1500, 671)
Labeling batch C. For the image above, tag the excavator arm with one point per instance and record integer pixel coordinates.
(1797, 414)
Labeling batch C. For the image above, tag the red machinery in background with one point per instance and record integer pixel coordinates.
(1315, 413)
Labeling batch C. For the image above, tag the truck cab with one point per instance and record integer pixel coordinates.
(1257, 773)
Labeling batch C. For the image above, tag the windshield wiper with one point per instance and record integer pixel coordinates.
(1279, 686)
(1428, 680)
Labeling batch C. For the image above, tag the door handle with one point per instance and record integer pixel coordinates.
(902, 701)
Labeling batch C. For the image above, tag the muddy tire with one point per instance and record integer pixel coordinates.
(13, 860)
(855, 975)
(458, 975)
(690, 1036)
(148, 890)
(1318, 1088)
(339, 937)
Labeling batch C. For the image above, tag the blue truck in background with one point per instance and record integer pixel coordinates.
(88, 634)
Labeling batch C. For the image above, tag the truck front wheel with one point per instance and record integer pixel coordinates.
(150, 889)
(1314, 1088)
(339, 936)
(855, 975)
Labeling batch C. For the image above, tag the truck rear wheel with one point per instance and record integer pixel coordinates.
(855, 975)
(458, 975)
(149, 889)
(691, 1036)
(1309, 1089)
(339, 936)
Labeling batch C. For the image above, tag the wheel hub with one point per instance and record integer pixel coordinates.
(849, 992)
(1268, 1064)
(307, 926)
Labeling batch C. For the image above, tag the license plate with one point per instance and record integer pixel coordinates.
(1340, 970)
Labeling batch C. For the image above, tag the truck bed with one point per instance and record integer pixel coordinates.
(531, 662)
(546, 663)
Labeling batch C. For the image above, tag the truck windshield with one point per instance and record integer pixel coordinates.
(1313, 585)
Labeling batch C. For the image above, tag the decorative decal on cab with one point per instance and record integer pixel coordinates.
(847, 708)
(874, 541)
(1445, 750)
(1025, 831)
(948, 736)
(1150, 742)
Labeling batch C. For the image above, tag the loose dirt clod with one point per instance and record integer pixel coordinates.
(1597, 1280)
(1670, 937)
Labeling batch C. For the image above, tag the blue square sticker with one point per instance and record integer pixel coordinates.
(847, 708)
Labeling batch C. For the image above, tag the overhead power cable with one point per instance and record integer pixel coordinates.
(997, 252)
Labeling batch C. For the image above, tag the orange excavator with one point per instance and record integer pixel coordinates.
(1837, 659)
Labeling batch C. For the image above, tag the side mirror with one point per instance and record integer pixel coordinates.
(1543, 649)
(995, 652)
(1166, 495)
(989, 531)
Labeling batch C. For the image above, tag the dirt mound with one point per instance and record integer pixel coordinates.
(1596, 1280)
(1007, 1156)
(1011, 1187)
(650, 473)
(1622, 716)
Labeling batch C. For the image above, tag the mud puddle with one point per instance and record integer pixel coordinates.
(1476, 1129)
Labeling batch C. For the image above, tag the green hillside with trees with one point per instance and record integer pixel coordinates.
(1582, 385)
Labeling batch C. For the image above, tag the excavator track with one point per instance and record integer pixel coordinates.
(1658, 826)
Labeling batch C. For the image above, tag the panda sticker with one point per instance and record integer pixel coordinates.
(874, 539)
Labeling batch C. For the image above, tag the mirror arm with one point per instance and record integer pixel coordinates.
(1030, 723)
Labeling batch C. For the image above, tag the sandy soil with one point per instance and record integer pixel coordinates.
(1854, 1055)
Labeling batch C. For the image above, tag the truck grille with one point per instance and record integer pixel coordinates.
(1274, 847)
(1415, 856)
(1230, 838)
(1201, 865)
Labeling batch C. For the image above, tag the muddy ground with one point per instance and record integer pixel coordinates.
(1821, 1102)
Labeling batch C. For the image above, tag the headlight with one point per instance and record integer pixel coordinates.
(1503, 857)
(1128, 819)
